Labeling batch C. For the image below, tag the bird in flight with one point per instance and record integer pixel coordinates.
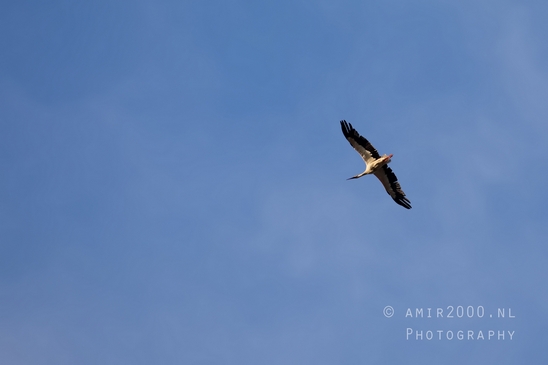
(375, 164)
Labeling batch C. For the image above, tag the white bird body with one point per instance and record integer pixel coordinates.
(375, 164)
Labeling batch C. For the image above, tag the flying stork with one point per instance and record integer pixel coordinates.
(375, 164)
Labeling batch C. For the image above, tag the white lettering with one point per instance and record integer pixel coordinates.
(460, 334)
(470, 311)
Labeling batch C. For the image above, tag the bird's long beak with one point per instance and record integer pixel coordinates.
(353, 177)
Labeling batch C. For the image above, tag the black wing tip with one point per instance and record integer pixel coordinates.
(404, 202)
(346, 128)
(349, 131)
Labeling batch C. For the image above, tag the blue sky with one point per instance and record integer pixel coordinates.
(173, 185)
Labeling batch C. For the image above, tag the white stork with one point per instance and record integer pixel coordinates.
(375, 164)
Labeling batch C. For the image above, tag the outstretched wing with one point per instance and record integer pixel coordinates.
(360, 144)
(392, 186)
